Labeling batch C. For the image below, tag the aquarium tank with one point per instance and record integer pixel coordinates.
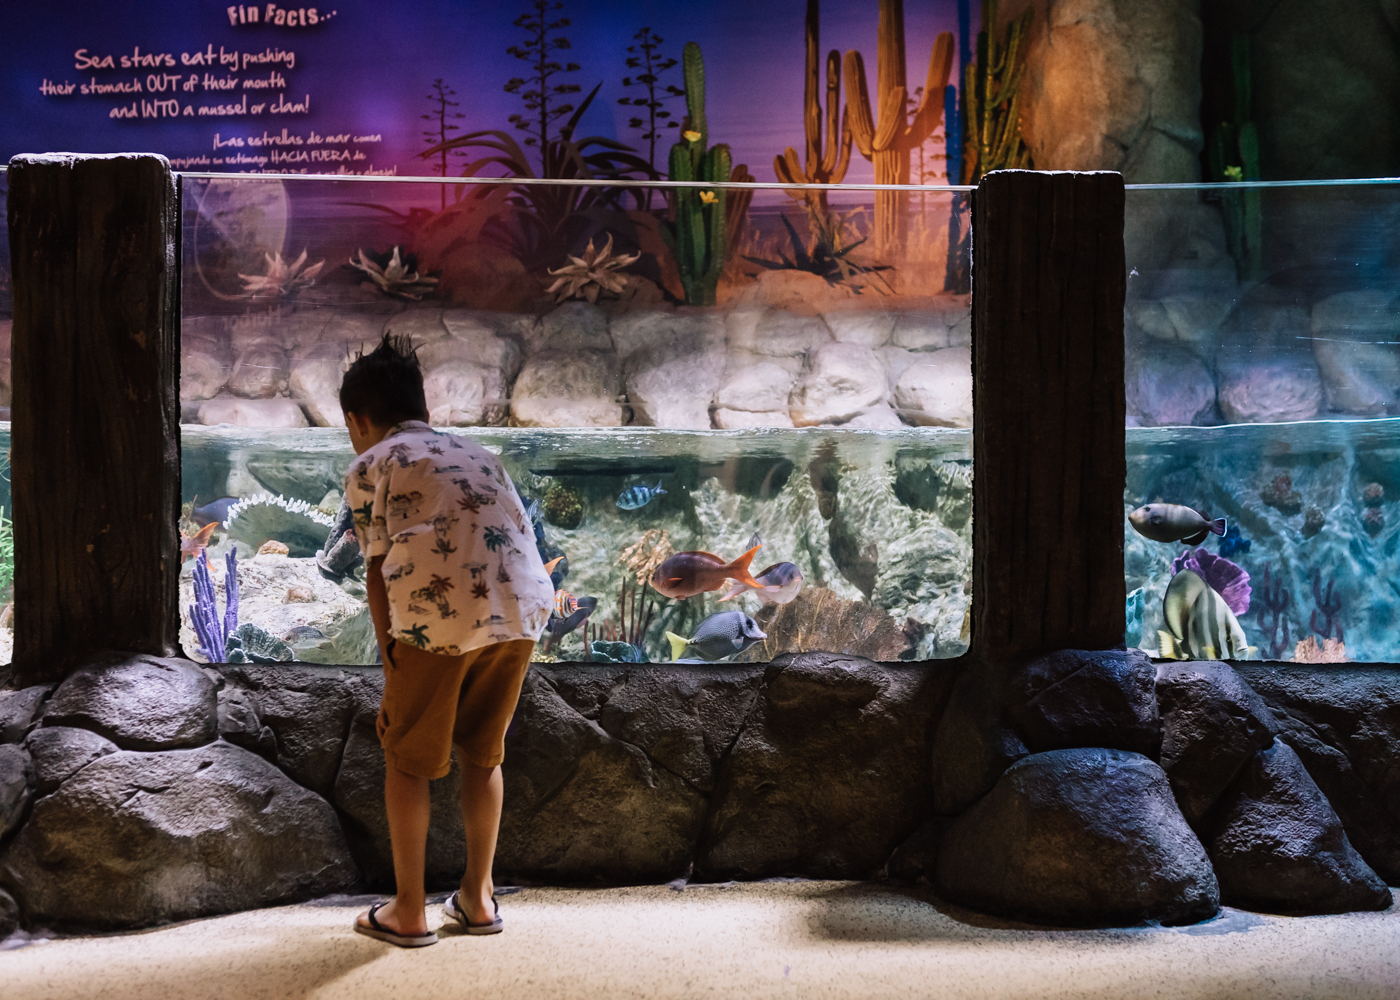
(1263, 387)
(661, 369)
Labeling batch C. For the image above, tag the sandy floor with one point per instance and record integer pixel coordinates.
(797, 939)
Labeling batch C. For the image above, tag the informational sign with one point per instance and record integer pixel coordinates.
(365, 88)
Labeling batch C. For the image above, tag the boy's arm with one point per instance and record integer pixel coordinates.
(378, 597)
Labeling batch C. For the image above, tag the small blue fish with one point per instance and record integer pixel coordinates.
(639, 496)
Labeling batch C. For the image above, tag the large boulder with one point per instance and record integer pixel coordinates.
(973, 745)
(1112, 85)
(142, 838)
(576, 326)
(315, 384)
(260, 370)
(146, 703)
(18, 710)
(1260, 390)
(1167, 385)
(1086, 836)
(16, 786)
(784, 337)
(845, 380)
(673, 387)
(457, 394)
(59, 752)
(946, 322)
(828, 775)
(755, 396)
(582, 802)
(568, 389)
(1099, 698)
(1354, 334)
(1211, 726)
(1279, 847)
(935, 390)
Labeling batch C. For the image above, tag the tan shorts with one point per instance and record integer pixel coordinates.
(434, 702)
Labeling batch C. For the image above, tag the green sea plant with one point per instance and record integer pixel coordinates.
(697, 232)
(594, 272)
(1234, 158)
(991, 98)
(394, 275)
(829, 256)
(887, 141)
(825, 161)
(283, 280)
(7, 557)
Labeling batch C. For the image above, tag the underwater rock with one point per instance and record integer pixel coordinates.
(845, 380)
(936, 389)
(59, 752)
(563, 506)
(1373, 521)
(140, 838)
(1167, 385)
(295, 523)
(1075, 837)
(299, 595)
(1212, 723)
(145, 703)
(1280, 494)
(315, 384)
(667, 389)
(555, 389)
(861, 327)
(16, 785)
(1279, 847)
(576, 326)
(272, 547)
(1353, 336)
(1261, 390)
(1313, 522)
(276, 413)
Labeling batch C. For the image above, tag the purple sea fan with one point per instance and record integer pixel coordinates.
(1227, 579)
(204, 612)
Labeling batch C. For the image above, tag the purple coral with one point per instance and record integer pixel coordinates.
(1227, 579)
(1273, 603)
(204, 612)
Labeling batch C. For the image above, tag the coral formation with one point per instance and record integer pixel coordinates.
(1227, 579)
(295, 523)
(1373, 521)
(646, 553)
(1281, 495)
(272, 547)
(1309, 650)
(211, 629)
(1373, 495)
(1313, 522)
(563, 506)
(1329, 605)
(340, 556)
(1272, 605)
(300, 595)
(250, 644)
(817, 620)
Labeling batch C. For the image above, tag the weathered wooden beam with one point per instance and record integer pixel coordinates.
(1048, 446)
(96, 436)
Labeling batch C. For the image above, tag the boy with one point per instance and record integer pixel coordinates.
(458, 596)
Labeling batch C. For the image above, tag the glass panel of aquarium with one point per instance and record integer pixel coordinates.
(795, 382)
(1263, 387)
(7, 540)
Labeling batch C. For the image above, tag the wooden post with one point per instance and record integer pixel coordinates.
(96, 436)
(1048, 445)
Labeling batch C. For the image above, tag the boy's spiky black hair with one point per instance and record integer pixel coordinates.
(385, 385)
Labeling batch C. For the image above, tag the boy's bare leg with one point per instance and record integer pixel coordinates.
(406, 801)
(482, 794)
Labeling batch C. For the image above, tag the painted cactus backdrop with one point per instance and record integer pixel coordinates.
(365, 87)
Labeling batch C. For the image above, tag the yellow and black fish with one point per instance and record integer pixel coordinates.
(1202, 626)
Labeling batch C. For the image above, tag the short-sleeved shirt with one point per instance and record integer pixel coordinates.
(460, 564)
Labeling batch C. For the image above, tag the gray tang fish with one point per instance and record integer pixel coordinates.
(1202, 625)
(718, 636)
(1171, 522)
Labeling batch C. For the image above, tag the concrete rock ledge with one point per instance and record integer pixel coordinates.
(1082, 788)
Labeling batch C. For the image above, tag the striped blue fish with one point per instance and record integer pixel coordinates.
(639, 496)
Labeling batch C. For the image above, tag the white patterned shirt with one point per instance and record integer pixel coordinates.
(460, 564)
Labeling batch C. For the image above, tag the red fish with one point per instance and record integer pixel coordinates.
(686, 574)
(194, 545)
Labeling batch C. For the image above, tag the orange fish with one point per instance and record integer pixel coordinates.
(686, 574)
(194, 545)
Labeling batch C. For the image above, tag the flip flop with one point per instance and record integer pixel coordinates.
(495, 926)
(379, 932)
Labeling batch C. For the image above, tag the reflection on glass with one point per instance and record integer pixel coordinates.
(7, 543)
(819, 407)
(1263, 386)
